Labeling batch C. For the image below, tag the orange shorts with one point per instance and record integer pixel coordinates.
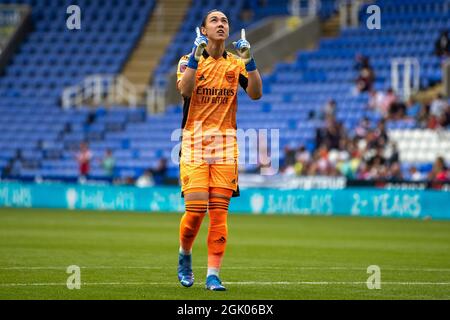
(205, 175)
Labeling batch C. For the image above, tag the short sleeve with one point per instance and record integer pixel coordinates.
(181, 68)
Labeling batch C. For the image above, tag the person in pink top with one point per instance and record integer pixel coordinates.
(439, 171)
(84, 157)
(388, 100)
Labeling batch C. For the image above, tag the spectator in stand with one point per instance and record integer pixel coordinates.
(442, 45)
(302, 160)
(444, 120)
(380, 133)
(415, 175)
(394, 155)
(412, 108)
(438, 106)
(397, 110)
(373, 143)
(361, 62)
(145, 180)
(378, 159)
(437, 109)
(433, 122)
(388, 99)
(364, 172)
(363, 128)
(329, 111)
(160, 172)
(332, 134)
(289, 156)
(376, 99)
(321, 165)
(84, 157)
(108, 163)
(302, 155)
(439, 172)
(395, 172)
(346, 160)
(424, 116)
(365, 79)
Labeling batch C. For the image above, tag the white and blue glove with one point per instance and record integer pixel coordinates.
(243, 50)
(197, 50)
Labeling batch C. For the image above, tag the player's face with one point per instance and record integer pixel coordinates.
(216, 27)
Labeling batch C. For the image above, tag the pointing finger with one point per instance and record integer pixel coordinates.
(243, 34)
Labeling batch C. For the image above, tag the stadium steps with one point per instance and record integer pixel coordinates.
(330, 28)
(427, 95)
(165, 21)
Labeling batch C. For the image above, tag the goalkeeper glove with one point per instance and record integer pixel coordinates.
(197, 50)
(243, 50)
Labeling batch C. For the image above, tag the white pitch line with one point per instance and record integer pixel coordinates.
(228, 268)
(331, 283)
(259, 283)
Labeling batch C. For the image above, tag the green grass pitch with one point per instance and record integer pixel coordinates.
(134, 256)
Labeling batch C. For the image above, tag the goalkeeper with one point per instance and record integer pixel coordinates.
(208, 80)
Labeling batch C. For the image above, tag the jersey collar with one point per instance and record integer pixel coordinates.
(206, 54)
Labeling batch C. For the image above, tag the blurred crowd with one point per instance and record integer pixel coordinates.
(433, 114)
(148, 178)
(365, 153)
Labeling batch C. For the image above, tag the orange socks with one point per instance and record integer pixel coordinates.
(191, 222)
(217, 232)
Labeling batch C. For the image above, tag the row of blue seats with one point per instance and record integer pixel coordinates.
(51, 119)
(116, 27)
(73, 48)
(62, 71)
(40, 61)
(393, 50)
(41, 51)
(45, 4)
(92, 13)
(54, 79)
(80, 36)
(413, 9)
(93, 27)
(409, 2)
(37, 77)
(421, 27)
(435, 14)
(411, 41)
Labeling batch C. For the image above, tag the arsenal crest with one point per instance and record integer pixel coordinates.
(230, 76)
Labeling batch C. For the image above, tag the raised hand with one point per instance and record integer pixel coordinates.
(199, 44)
(243, 48)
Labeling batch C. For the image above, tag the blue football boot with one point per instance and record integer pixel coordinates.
(213, 283)
(185, 274)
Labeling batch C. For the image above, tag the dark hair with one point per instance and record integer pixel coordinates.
(207, 14)
(441, 160)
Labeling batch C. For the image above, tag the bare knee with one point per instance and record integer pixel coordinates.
(221, 193)
(197, 195)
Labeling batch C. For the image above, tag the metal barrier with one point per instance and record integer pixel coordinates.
(348, 13)
(100, 89)
(111, 90)
(408, 83)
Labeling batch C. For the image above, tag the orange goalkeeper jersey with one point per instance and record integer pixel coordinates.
(209, 115)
